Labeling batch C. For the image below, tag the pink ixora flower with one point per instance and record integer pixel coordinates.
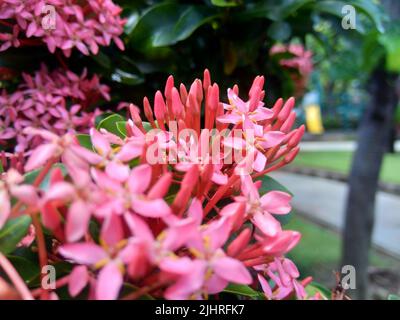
(284, 273)
(11, 185)
(57, 101)
(176, 230)
(260, 209)
(110, 259)
(246, 114)
(133, 194)
(84, 25)
(212, 269)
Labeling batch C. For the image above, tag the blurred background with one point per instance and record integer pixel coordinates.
(340, 59)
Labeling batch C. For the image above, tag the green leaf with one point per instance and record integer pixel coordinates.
(280, 31)
(1, 168)
(367, 7)
(121, 126)
(30, 177)
(12, 233)
(103, 60)
(270, 184)
(27, 269)
(391, 43)
(226, 3)
(168, 23)
(274, 11)
(243, 290)
(126, 77)
(393, 297)
(315, 287)
(85, 141)
(110, 123)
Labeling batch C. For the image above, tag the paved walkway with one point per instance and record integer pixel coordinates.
(334, 146)
(323, 201)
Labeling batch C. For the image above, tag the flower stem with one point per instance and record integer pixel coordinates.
(15, 278)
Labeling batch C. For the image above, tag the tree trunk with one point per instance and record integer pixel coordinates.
(363, 181)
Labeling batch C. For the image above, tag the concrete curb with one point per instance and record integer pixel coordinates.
(391, 188)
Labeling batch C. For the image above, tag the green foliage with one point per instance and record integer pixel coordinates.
(13, 232)
(110, 124)
(270, 184)
(243, 290)
(30, 177)
(167, 23)
(315, 287)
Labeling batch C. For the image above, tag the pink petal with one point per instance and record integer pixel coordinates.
(77, 221)
(60, 191)
(117, 171)
(41, 155)
(232, 270)
(259, 162)
(109, 282)
(5, 207)
(99, 142)
(283, 242)
(216, 284)
(276, 202)
(78, 279)
(130, 150)
(26, 193)
(272, 139)
(230, 118)
(177, 266)
(84, 253)
(265, 286)
(139, 179)
(112, 230)
(262, 113)
(151, 208)
(266, 223)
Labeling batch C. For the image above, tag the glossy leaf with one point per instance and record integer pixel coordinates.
(168, 23)
(85, 141)
(13, 232)
(30, 177)
(270, 184)
(226, 3)
(110, 123)
(243, 290)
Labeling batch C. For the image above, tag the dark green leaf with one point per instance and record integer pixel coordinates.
(367, 7)
(243, 290)
(30, 177)
(13, 232)
(226, 3)
(270, 184)
(280, 31)
(121, 126)
(27, 269)
(110, 123)
(315, 287)
(168, 23)
(126, 77)
(85, 141)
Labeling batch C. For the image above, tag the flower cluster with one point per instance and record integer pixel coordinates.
(58, 101)
(63, 24)
(131, 226)
(301, 61)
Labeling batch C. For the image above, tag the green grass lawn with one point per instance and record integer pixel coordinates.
(341, 162)
(318, 253)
